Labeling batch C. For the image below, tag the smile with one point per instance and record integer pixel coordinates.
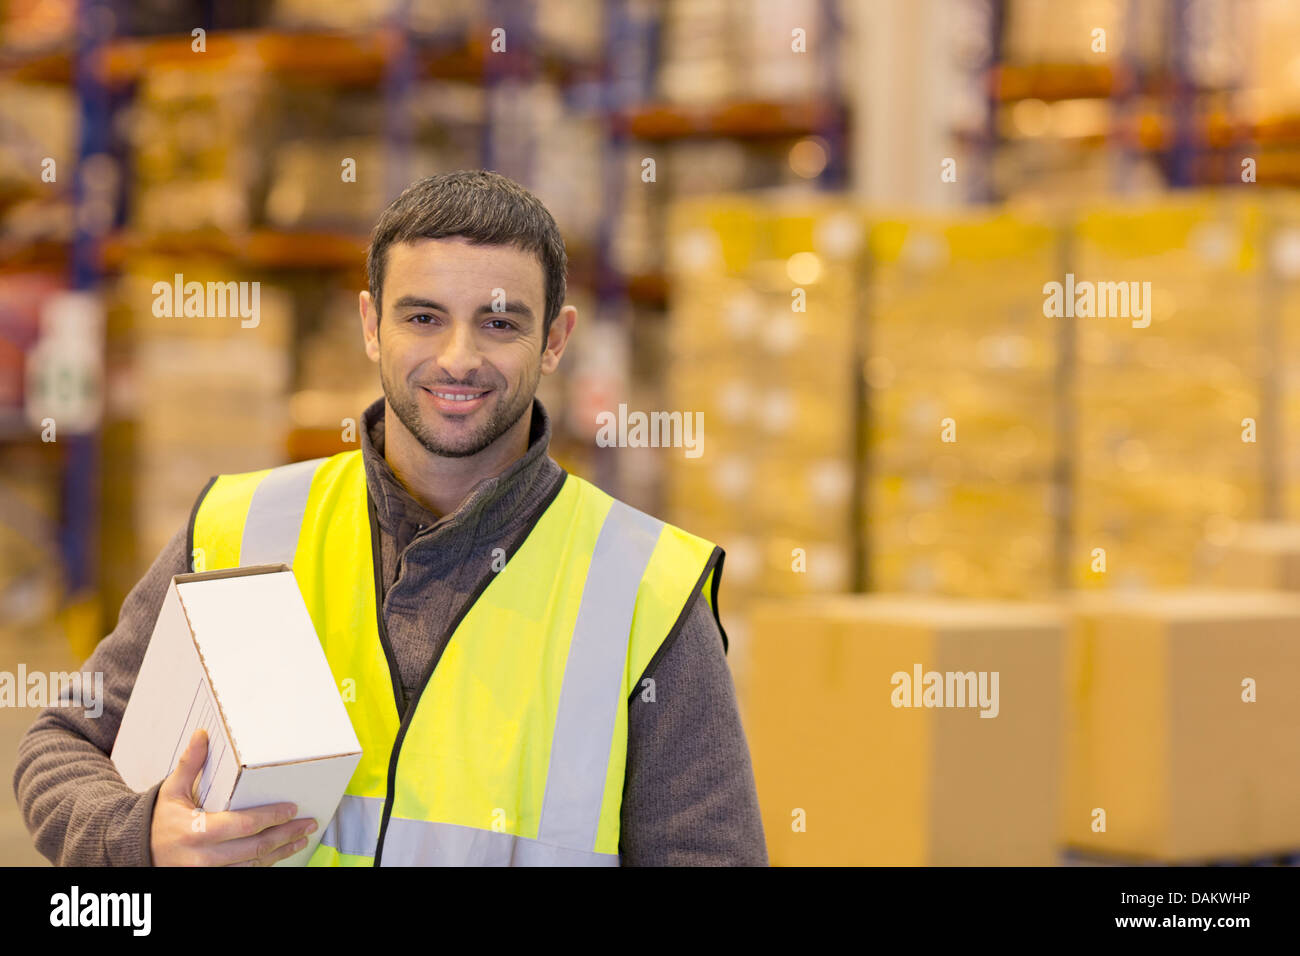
(458, 396)
(458, 402)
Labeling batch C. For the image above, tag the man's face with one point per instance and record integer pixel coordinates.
(457, 374)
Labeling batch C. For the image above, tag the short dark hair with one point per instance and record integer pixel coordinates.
(479, 205)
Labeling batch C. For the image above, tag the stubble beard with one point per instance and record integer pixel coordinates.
(406, 405)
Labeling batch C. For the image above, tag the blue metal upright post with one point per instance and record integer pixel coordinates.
(834, 127)
(611, 284)
(399, 79)
(79, 532)
(1183, 150)
(1127, 77)
(984, 188)
(502, 71)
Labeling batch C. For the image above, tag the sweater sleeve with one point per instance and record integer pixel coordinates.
(75, 804)
(688, 795)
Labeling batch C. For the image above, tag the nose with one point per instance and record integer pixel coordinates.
(460, 354)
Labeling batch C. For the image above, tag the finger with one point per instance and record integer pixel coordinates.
(182, 783)
(264, 846)
(235, 824)
(284, 852)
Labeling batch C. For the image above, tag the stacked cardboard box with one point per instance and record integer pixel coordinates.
(309, 182)
(858, 763)
(684, 170)
(223, 149)
(1256, 555)
(30, 564)
(715, 50)
(699, 47)
(962, 406)
(37, 24)
(1273, 84)
(364, 14)
(1183, 733)
(30, 510)
(40, 124)
(570, 182)
(1044, 33)
(335, 378)
(212, 393)
(198, 137)
(574, 28)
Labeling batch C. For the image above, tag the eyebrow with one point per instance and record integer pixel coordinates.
(511, 305)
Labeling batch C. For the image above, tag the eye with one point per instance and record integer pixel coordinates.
(422, 315)
(503, 325)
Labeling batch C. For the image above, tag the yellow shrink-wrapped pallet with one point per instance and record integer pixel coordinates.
(1183, 727)
(927, 534)
(1168, 396)
(1281, 249)
(962, 420)
(762, 318)
(847, 774)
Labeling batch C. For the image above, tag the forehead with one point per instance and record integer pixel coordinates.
(456, 262)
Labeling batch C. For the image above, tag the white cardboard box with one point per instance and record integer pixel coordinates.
(235, 652)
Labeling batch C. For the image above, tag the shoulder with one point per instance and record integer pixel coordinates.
(595, 497)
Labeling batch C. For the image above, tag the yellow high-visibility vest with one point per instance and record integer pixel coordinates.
(513, 750)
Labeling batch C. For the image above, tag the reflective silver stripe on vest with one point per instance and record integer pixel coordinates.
(592, 692)
(275, 514)
(419, 843)
(354, 828)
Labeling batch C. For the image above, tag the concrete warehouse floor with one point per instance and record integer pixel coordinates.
(40, 649)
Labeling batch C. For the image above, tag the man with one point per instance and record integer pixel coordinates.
(539, 669)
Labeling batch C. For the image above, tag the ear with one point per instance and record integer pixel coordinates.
(558, 338)
(370, 326)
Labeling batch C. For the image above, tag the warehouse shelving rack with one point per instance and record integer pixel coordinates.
(1196, 141)
(103, 70)
(634, 114)
(1193, 139)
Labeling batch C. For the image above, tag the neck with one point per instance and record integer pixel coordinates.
(440, 483)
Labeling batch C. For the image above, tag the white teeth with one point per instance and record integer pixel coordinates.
(457, 398)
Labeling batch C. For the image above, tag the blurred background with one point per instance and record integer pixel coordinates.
(838, 255)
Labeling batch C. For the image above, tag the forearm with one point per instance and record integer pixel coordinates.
(75, 804)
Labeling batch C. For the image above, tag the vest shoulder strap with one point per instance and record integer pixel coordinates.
(680, 564)
(253, 517)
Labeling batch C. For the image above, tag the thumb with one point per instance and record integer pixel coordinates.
(182, 781)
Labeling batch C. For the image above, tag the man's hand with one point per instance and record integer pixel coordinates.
(258, 836)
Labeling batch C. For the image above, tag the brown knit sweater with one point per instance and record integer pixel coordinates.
(688, 798)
